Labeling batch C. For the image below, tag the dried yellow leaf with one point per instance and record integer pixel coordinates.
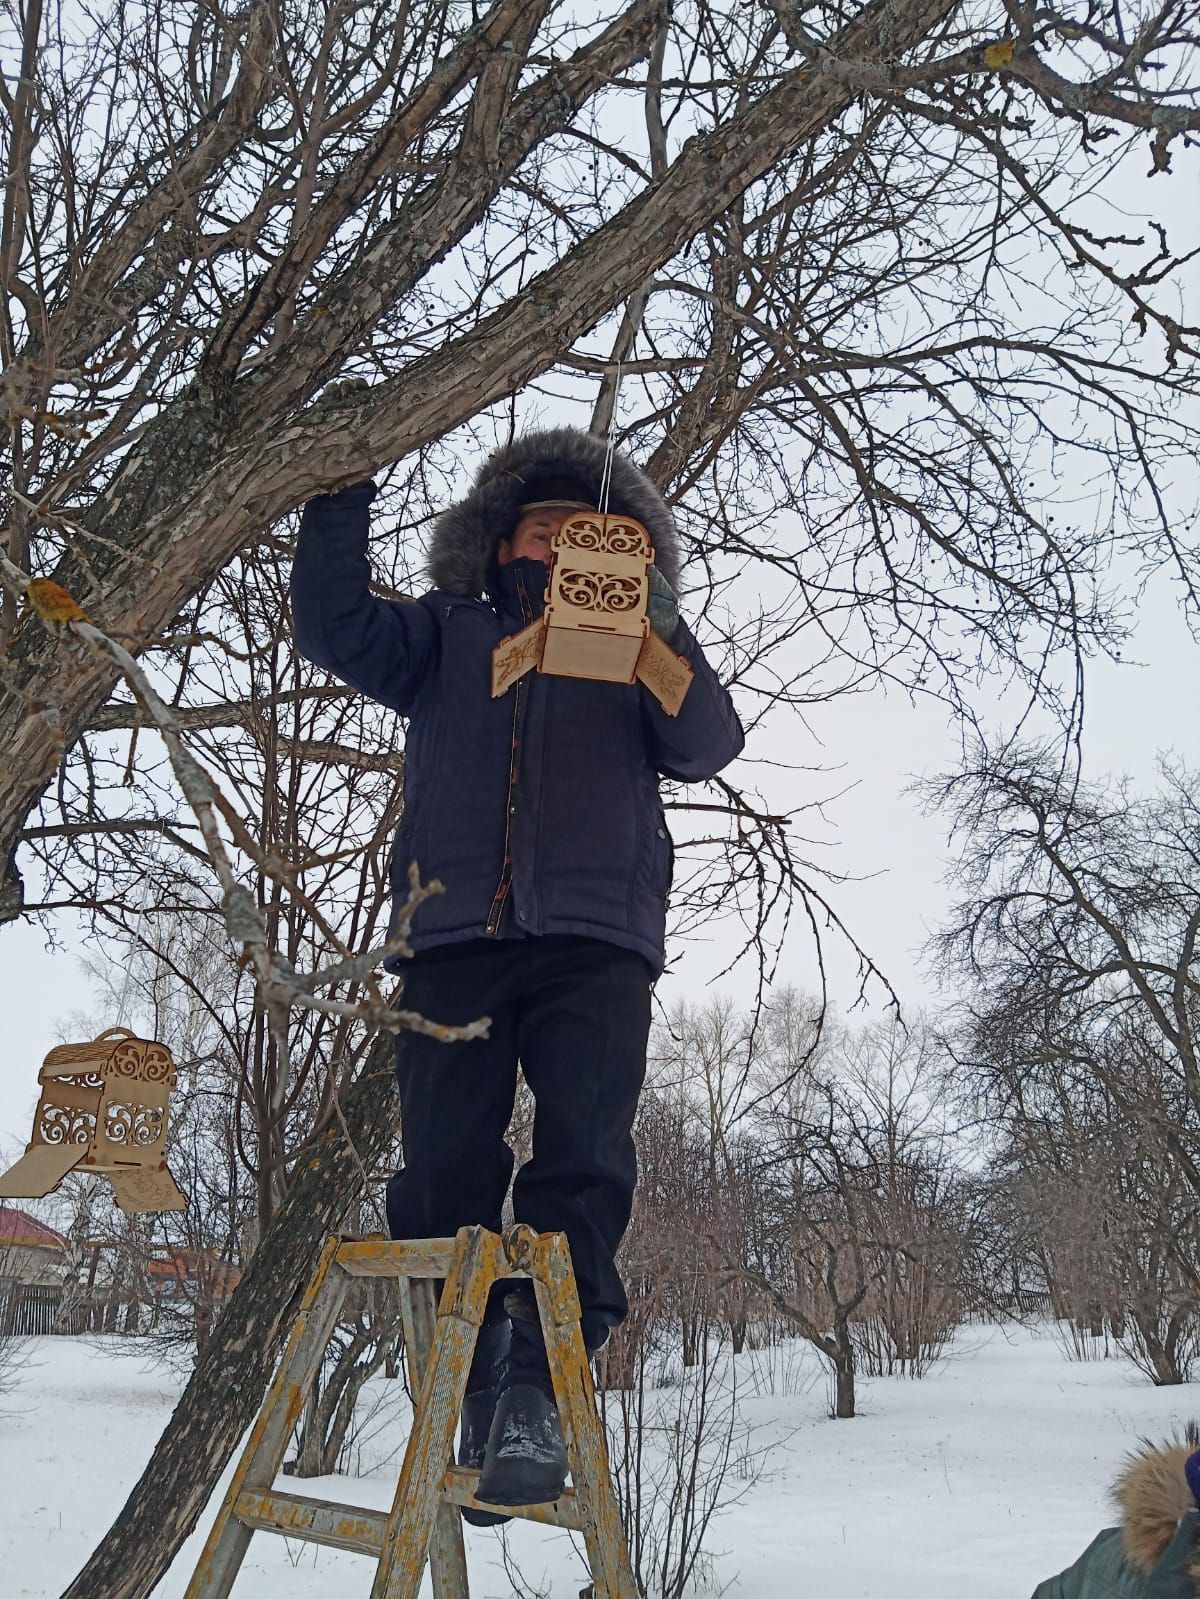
(52, 603)
(999, 54)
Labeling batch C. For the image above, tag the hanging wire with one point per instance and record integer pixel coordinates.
(606, 480)
(141, 924)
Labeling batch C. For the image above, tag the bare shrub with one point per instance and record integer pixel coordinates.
(677, 1457)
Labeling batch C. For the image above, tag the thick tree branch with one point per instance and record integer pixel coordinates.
(428, 226)
(99, 304)
(351, 187)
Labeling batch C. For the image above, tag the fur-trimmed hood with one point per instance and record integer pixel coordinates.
(465, 536)
(1153, 1494)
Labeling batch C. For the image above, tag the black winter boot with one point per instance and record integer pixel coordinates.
(487, 1372)
(526, 1460)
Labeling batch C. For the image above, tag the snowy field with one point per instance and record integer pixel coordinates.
(985, 1477)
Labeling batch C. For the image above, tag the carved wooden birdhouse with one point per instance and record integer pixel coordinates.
(103, 1108)
(595, 624)
(596, 598)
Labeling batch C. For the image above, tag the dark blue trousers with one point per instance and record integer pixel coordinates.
(575, 1013)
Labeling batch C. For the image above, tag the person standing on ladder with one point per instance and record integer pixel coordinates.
(540, 812)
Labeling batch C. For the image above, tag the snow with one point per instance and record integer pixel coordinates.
(986, 1476)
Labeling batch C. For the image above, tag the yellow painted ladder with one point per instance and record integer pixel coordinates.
(439, 1337)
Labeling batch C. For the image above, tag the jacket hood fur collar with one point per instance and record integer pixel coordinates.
(465, 536)
(1153, 1495)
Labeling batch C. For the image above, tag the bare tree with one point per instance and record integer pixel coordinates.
(673, 1445)
(1079, 933)
(368, 1338)
(917, 1209)
(316, 776)
(667, 1387)
(799, 226)
(1081, 909)
(860, 1182)
(793, 246)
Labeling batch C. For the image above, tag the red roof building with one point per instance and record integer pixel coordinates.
(26, 1232)
(30, 1252)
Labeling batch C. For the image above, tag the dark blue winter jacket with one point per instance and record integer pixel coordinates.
(539, 811)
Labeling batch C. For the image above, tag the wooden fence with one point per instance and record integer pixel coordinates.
(29, 1310)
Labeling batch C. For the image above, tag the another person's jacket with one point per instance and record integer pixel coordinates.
(539, 811)
(1152, 1554)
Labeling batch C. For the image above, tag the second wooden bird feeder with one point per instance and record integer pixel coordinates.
(103, 1108)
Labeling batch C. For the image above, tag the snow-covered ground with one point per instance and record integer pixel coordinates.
(985, 1477)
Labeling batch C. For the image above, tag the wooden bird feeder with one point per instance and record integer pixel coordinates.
(103, 1108)
(595, 624)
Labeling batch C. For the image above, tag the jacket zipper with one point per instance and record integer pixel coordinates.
(492, 925)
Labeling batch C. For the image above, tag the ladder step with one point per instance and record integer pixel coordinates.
(562, 1512)
(381, 1257)
(340, 1526)
(313, 1520)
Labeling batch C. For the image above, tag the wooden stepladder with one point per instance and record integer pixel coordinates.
(439, 1336)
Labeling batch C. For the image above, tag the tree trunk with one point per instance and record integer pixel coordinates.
(235, 1366)
(843, 1371)
(690, 1327)
(311, 1434)
(339, 1425)
(618, 1365)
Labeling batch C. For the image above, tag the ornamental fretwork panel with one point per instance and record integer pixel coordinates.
(104, 1108)
(595, 623)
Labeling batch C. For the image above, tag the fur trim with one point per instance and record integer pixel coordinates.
(1153, 1496)
(464, 539)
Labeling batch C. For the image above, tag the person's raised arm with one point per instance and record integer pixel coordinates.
(382, 647)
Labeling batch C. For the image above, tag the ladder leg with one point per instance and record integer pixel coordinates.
(447, 1551)
(227, 1542)
(587, 1452)
(478, 1261)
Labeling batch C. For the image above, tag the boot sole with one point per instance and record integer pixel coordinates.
(482, 1518)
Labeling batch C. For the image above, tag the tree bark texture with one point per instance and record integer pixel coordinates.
(234, 1368)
